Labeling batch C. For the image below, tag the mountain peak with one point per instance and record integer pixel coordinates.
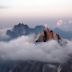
(48, 34)
(23, 29)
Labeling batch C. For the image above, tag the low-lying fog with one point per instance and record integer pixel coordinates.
(24, 48)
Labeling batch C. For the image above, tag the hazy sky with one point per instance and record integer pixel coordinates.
(12, 11)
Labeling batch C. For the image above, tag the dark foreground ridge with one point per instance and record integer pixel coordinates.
(34, 66)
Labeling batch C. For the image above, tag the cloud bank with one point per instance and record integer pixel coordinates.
(24, 48)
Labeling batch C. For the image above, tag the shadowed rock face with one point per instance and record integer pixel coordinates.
(34, 66)
(48, 34)
(23, 29)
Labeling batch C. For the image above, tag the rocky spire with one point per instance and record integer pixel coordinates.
(47, 34)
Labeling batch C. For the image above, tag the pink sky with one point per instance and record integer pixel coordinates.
(36, 8)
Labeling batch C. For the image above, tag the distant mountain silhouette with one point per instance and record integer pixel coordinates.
(64, 34)
(23, 29)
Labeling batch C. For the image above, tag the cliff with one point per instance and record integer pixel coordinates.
(47, 35)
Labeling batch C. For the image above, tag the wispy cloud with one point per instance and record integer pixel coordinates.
(3, 7)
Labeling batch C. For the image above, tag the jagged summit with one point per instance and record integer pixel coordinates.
(48, 34)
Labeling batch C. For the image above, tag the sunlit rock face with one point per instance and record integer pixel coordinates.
(47, 35)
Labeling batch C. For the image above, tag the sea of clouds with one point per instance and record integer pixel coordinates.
(25, 48)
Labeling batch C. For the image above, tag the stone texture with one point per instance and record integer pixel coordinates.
(48, 34)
